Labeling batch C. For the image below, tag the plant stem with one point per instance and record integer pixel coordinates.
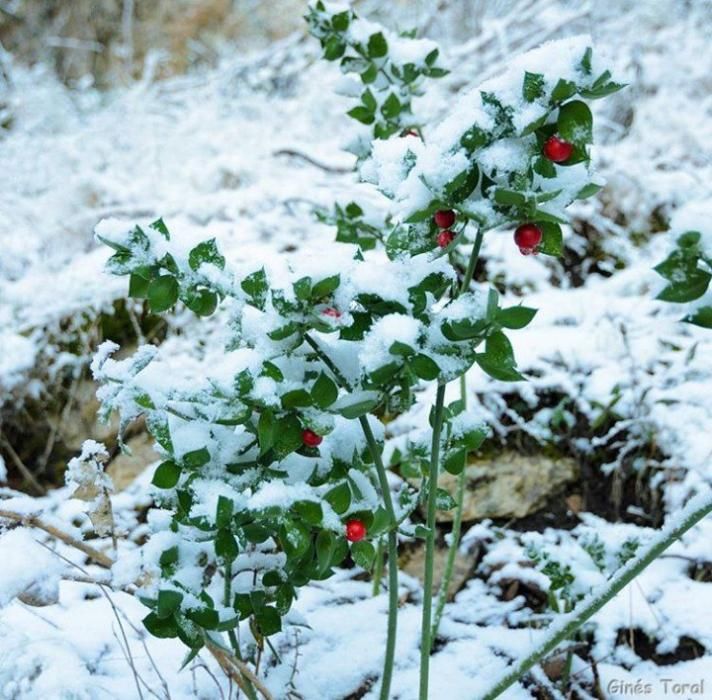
(392, 546)
(392, 559)
(234, 643)
(378, 568)
(698, 508)
(425, 636)
(454, 535)
(461, 479)
(474, 257)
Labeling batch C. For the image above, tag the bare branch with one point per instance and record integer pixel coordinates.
(35, 521)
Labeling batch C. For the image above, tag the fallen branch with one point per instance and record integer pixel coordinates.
(235, 669)
(26, 473)
(35, 521)
(566, 626)
(303, 156)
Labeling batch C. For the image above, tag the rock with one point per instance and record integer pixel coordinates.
(124, 468)
(412, 562)
(80, 422)
(509, 485)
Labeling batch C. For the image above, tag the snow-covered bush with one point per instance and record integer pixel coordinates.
(272, 468)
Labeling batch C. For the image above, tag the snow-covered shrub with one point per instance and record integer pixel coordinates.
(272, 466)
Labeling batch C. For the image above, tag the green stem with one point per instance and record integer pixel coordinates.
(378, 568)
(454, 535)
(425, 633)
(234, 643)
(569, 624)
(461, 477)
(392, 544)
(474, 257)
(392, 559)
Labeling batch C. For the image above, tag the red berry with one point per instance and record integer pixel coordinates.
(444, 218)
(355, 530)
(331, 311)
(445, 238)
(527, 237)
(310, 438)
(411, 132)
(557, 149)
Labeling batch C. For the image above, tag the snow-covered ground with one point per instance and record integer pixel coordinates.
(213, 154)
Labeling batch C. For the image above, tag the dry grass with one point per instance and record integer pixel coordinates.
(113, 40)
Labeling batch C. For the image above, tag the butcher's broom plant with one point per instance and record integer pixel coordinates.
(272, 470)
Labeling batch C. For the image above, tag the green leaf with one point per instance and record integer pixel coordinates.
(552, 241)
(444, 501)
(161, 628)
(255, 286)
(255, 533)
(202, 302)
(595, 92)
(377, 46)
(353, 210)
(206, 252)
(138, 286)
(289, 436)
(309, 511)
(363, 553)
(499, 349)
(498, 358)
(196, 458)
(226, 545)
(323, 288)
(268, 620)
(339, 498)
(509, 197)
(325, 547)
(454, 461)
(207, 618)
(391, 107)
(223, 511)
(475, 137)
(585, 63)
(283, 332)
(340, 21)
(575, 123)
(168, 603)
(496, 371)
(162, 293)
(362, 114)
(689, 239)
(297, 398)
(324, 392)
(588, 190)
(334, 48)
(692, 287)
(160, 226)
(425, 367)
(358, 407)
(166, 475)
(369, 101)
(700, 317)
(369, 75)
(295, 539)
(302, 288)
(515, 317)
(266, 431)
(563, 90)
(401, 349)
(533, 86)
(269, 369)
